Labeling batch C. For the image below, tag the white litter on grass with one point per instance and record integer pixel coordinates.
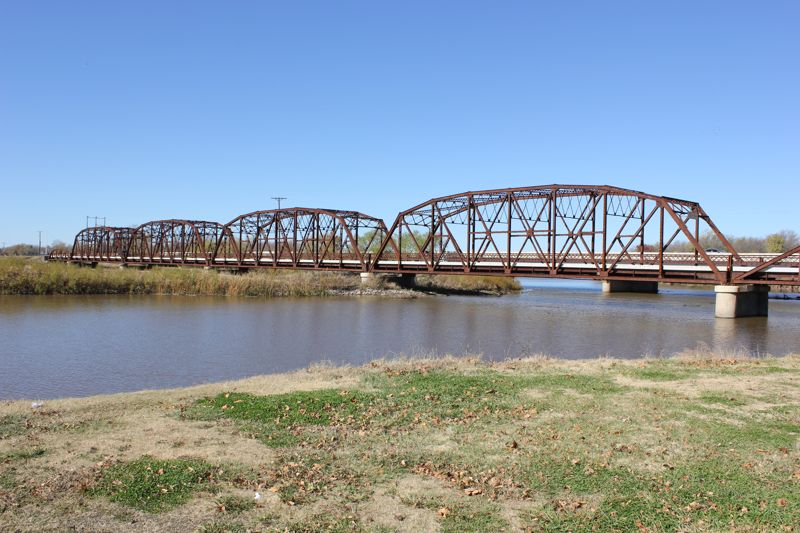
(36, 405)
(258, 496)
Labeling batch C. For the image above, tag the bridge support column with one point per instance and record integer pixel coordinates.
(616, 285)
(736, 301)
(367, 278)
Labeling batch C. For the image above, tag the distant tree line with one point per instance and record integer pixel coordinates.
(30, 249)
(778, 242)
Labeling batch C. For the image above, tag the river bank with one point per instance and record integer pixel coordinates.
(693, 442)
(36, 277)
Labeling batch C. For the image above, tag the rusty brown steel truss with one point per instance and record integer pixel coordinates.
(781, 270)
(564, 231)
(174, 242)
(301, 238)
(100, 244)
(595, 232)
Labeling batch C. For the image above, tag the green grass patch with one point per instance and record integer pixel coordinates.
(582, 383)
(661, 371)
(727, 400)
(752, 434)
(154, 485)
(279, 419)
(441, 395)
(715, 490)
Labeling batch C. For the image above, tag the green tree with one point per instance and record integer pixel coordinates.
(775, 243)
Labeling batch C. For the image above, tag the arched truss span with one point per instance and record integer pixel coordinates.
(301, 238)
(100, 244)
(174, 242)
(581, 231)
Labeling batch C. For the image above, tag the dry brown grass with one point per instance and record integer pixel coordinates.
(32, 276)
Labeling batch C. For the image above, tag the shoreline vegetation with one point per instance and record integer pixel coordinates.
(33, 276)
(697, 442)
(36, 277)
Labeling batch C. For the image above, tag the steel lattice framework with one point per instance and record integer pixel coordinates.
(575, 231)
(783, 269)
(563, 231)
(301, 238)
(101, 243)
(174, 242)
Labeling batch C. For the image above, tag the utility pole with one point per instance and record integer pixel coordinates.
(96, 218)
(40, 242)
(278, 199)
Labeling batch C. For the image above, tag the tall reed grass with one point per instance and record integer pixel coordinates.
(33, 276)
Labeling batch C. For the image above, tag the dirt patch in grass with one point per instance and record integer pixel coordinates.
(389, 512)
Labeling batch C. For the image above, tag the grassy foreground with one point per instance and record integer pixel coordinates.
(689, 444)
(33, 276)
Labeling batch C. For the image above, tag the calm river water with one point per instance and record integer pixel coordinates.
(56, 346)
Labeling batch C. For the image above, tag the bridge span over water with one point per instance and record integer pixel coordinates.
(628, 239)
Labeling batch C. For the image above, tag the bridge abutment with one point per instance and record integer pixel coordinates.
(406, 281)
(616, 285)
(737, 301)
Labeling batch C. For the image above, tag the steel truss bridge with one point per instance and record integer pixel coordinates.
(558, 231)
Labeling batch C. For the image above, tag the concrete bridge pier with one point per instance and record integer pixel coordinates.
(736, 301)
(616, 285)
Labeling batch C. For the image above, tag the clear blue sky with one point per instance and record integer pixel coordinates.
(146, 110)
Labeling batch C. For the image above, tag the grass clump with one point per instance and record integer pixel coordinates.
(153, 485)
